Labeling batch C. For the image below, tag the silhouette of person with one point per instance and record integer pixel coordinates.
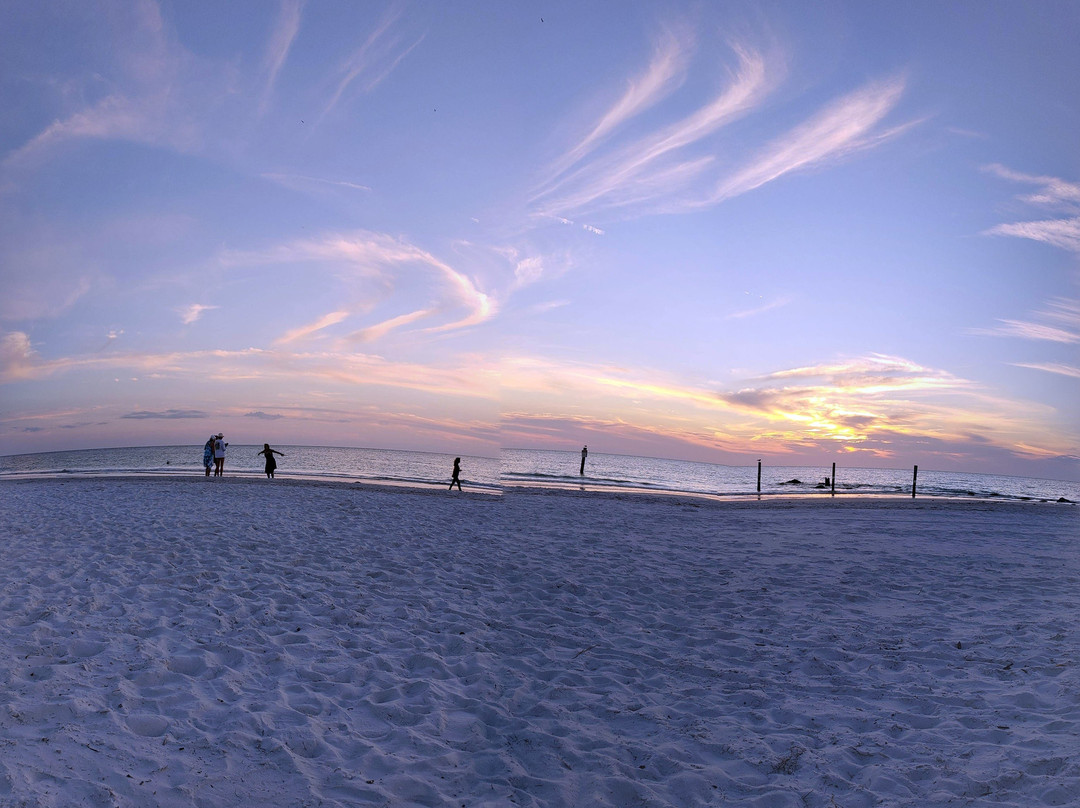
(456, 478)
(219, 455)
(271, 464)
(208, 455)
(584, 454)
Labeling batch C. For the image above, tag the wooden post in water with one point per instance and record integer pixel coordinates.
(914, 479)
(833, 479)
(759, 476)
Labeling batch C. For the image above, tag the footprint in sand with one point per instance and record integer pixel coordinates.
(187, 664)
(86, 648)
(149, 726)
(39, 673)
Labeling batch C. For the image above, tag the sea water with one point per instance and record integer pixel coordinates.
(313, 462)
(555, 469)
(516, 468)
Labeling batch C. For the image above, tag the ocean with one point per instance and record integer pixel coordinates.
(309, 462)
(517, 468)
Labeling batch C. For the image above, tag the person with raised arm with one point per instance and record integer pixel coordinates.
(271, 464)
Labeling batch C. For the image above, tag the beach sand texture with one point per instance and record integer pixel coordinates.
(193, 642)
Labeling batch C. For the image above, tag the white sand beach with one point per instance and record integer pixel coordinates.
(194, 642)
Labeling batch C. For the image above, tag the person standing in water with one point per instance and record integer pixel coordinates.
(456, 478)
(271, 464)
(584, 454)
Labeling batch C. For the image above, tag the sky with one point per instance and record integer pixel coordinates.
(803, 233)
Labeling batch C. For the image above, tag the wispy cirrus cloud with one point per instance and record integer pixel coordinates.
(680, 167)
(1053, 193)
(303, 183)
(761, 309)
(370, 64)
(1057, 322)
(656, 165)
(374, 332)
(156, 97)
(847, 125)
(116, 117)
(369, 254)
(350, 370)
(1061, 233)
(1028, 330)
(666, 71)
(327, 320)
(277, 48)
(1057, 368)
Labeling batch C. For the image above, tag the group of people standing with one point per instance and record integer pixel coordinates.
(214, 455)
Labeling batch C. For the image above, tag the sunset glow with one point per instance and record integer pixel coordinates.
(845, 233)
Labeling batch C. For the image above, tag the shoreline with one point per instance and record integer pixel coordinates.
(257, 479)
(819, 496)
(532, 489)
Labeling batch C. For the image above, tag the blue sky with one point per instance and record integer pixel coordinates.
(803, 232)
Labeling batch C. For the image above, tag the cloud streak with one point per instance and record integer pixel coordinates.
(1058, 322)
(158, 100)
(352, 370)
(1061, 233)
(278, 47)
(1057, 368)
(379, 255)
(371, 63)
(1053, 193)
(845, 126)
(380, 330)
(1028, 330)
(666, 71)
(679, 168)
(651, 166)
(762, 309)
(327, 320)
(304, 183)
